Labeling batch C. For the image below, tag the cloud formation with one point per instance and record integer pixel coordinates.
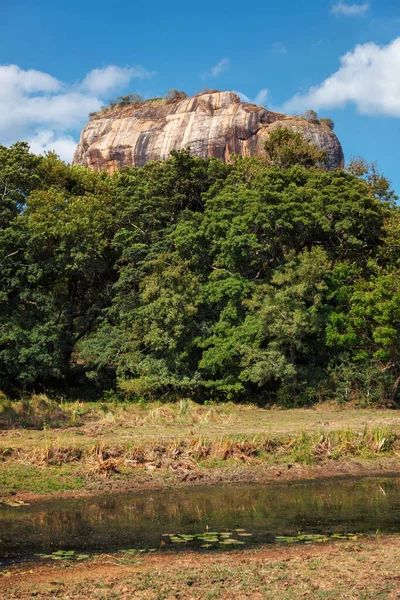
(368, 77)
(48, 141)
(279, 49)
(44, 111)
(100, 81)
(260, 99)
(219, 67)
(350, 10)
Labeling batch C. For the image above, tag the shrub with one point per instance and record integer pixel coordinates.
(311, 115)
(175, 95)
(328, 122)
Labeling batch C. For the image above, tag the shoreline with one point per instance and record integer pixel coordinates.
(241, 475)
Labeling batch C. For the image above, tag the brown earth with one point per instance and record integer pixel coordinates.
(368, 568)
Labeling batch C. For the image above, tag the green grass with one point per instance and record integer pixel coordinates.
(31, 478)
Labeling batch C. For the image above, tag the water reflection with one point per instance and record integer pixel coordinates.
(140, 519)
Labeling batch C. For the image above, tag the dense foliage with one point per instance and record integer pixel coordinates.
(269, 282)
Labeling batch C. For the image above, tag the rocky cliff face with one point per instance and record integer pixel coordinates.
(210, 124)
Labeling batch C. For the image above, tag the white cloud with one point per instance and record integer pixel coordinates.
(100, 81)
(15, 81)
(260, 99)
(279, 49)
(350, 10)
(242, 96)
(219, 67)
(49, 141)
(369, 77)
(36, 107)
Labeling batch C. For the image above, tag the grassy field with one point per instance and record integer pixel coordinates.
(70, 446)
(366, 569)
(50, 448)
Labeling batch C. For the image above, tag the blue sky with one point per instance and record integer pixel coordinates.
(59, 61)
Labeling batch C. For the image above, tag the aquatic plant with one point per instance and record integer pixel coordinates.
(64, 555)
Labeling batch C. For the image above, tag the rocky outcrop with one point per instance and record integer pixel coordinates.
(210, 124)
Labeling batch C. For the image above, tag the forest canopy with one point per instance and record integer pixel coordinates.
(262, 281)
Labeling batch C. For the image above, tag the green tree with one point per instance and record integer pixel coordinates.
(369, 330)
(286, 148)
(267, 282)
(287, 318)
(253, 228)
(55, 275)
(20, 173)
(379, 184)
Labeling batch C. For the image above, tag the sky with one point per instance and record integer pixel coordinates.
(61, 60)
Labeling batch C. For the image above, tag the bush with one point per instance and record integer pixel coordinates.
(128, 99)
(311, 115)
(175, 95)
(328, 122)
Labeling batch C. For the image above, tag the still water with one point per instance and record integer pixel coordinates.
(252, 513)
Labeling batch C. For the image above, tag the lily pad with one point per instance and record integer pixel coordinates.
(13, 503)
(64, 555)
(310, 538)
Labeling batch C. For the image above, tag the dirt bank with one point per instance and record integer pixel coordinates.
(235, 474)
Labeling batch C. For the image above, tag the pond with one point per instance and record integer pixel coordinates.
(224, 516)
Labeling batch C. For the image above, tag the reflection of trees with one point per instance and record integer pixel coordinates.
(118, 520)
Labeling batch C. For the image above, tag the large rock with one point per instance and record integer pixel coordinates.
(210, 124)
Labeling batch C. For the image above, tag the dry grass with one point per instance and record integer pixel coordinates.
(148, 419)
(184, 441)
(303, 448)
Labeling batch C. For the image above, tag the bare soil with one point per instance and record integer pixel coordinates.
(358, 570)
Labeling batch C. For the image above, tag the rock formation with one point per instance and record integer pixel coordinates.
(210, 124)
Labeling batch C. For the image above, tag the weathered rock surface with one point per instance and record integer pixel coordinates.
(211, 124)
